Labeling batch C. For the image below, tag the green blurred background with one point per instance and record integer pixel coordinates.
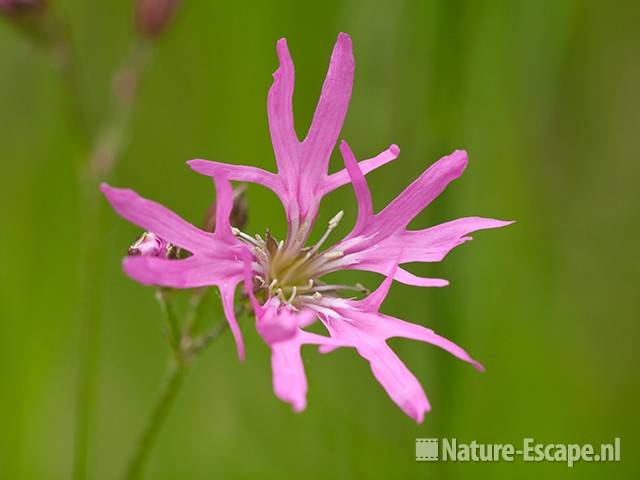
(543, 95)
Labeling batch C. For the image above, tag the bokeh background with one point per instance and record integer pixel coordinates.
(543, 95)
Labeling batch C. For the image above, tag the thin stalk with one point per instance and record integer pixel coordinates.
(176, 370)
(174, 334)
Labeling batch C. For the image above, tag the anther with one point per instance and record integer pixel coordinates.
(333, 223)
(333, 255)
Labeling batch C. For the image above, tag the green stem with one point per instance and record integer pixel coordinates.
(174, 376)
(174, 334)
(173, 380)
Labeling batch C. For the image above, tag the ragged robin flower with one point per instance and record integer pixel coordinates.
(286, 278)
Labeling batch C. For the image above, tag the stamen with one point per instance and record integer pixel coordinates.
(333, 255)
(239, 233)
(333, 223)
(334, 288)
(294, 291)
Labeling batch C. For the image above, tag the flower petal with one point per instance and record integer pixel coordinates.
(396, 216)
(227, 293)
(401, 385)
(363, 195)
(289, 378)
(275, 322)
(240, 173)
(390, 327)
(434, 243)
(341, 178)
(159, 220)
(191, 272)
(331, 110)
(280, 112)
(224, 206)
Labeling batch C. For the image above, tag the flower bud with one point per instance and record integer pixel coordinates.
(239, 212)
(153, 16)
(150, 245)
(17, 7)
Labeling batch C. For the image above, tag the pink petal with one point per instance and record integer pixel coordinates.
(191, 272)
(159, 220)
(373, 301)
(302, 166)
(363, 196)
(289, 379)
(331, 110)
(390, 327)
(374, 261)
(401, 385)
(276, 323)
(397, 215)
(280, 112)
(224, 205)
(341, 178)
(433, 244)
(227, 292)
(240, 173)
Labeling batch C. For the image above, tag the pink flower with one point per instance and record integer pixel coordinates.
(150, 245)
(284, 278)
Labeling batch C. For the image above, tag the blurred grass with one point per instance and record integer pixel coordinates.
(541, 94)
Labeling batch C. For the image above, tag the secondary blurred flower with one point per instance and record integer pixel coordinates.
(150, 245)
(285, 279)
(21, 6)
(153, 16)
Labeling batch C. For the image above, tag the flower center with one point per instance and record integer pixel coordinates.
(293, 273)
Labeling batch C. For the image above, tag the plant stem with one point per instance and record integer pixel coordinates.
(174, 376)
(174, 334)
(172, 382)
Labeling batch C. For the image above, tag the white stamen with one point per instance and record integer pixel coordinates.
(294, 291)
(333, 223)
(239, 233)
(333, 255)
